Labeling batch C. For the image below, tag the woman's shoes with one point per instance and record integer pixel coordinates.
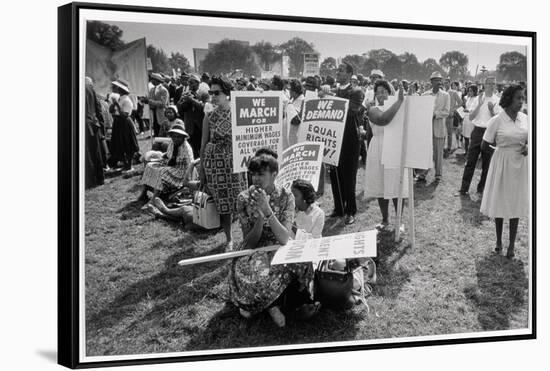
(510, 254)
(277, 316)
(498, 249)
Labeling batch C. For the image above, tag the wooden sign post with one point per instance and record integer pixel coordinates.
(404, 143)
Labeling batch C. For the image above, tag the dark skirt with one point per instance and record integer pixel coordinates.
(124, 142)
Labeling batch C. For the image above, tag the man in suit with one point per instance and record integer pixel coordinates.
(343, 178)
(158, 99)
(191, 108)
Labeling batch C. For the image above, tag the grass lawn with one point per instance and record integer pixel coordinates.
(139, 301)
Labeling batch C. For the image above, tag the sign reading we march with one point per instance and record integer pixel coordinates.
(323, 120)
(345, 246)
(300, 161)
(256, 119)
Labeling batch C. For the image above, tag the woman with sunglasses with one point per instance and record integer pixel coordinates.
(216, 154)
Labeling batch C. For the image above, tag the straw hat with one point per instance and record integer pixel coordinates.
(178, 129)
(122, 84)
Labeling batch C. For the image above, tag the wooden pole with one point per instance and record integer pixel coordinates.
(411, 207)
(401, 170)
(226, 255)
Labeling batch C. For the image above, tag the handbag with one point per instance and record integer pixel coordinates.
(205, 213)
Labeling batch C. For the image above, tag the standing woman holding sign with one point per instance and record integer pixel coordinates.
(216, 153)
(506, 194)
(380, 182)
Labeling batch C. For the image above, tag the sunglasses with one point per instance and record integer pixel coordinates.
(215, 92)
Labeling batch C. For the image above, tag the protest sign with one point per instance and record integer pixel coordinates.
(129, 63)
(256, 121)
(311, 64)
(323, 120)
(345, 246)
(300, 161)
(419, 114)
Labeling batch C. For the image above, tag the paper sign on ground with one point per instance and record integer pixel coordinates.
(352, 245)
(323, 120)
(419, 153)
(300, 161)
(256, 119)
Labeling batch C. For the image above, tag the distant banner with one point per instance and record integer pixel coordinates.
(129, 63)
(300, 161)
(256, 121)
(345, 246)
(419, 112)
(311, 64)
(323, 120)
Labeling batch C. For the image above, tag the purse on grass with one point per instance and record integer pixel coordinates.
(205, 213)
(345, 283)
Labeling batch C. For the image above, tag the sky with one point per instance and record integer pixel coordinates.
(183, 38)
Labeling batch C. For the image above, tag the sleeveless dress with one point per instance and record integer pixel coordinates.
(506, 193)
(218, 163)
(381, 182)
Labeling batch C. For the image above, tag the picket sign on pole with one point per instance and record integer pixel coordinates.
(226, 255)
(401, 170)
(411, 206)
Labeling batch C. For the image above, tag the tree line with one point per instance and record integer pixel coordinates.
(229, 55)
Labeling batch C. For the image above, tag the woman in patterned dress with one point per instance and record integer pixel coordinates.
(171, 173)
(266, 214)
(217, 157)
(506, 193)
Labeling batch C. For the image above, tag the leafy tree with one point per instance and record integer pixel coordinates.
(392, 68)
(455, 64)
(430, 66)
(267, 53)
(369, 65)
(380, 56)
(512, 66)
(159, 60)
(229, 55)
(357, 62)
(410, 68)
(295, 49)
(328, 67)
(105, 34)
(178, 60)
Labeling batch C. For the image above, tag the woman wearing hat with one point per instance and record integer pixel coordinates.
(124, 143)
(171, 114)
(216, 153)
(170, 173)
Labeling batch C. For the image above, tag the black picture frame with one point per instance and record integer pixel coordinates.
(70, 171)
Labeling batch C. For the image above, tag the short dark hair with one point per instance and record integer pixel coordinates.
(277, 82)
(306, 189)
(296, 86)
(383, 83)
(266, 151)
(508, 95)
(263, 162)
(474, 89)
(225, 84)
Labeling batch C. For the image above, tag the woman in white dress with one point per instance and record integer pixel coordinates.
(380, 182)
(470, 103)
(506, 194)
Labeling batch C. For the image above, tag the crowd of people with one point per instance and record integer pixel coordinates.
(488, 120)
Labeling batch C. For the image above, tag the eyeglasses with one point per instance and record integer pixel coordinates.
(214, 92)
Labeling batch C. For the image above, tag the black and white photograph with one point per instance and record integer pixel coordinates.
(262, 186)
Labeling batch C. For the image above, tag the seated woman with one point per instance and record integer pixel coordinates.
(170, 173)
(171, 114)
(266, 213)
(310, 219)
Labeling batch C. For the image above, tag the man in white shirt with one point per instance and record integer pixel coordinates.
(442, 106)
(487, 108)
